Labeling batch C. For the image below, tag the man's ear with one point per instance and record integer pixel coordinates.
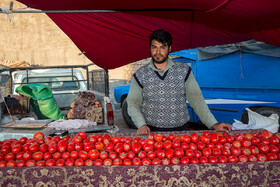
(170, 48)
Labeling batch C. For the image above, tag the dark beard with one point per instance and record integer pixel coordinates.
(159, 62)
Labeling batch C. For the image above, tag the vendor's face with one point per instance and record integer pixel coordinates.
(159, 51)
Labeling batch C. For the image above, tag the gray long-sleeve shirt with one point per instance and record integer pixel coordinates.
(193, 95)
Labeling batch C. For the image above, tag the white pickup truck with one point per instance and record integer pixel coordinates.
(66, 82)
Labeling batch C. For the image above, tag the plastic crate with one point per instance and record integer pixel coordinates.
(17, 105)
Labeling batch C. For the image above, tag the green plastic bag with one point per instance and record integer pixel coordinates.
(42, 101)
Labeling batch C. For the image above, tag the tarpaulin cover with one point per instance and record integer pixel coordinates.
(113, 39)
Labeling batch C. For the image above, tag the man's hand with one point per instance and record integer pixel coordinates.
(143, 130)
(224, 127)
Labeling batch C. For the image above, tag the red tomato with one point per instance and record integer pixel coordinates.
(37, 156)
(210, 145)
(273, 149)
(200, 145)
(110, 147)
(56, 138)
(156, 161)
(214, 138)
(194, 138)
(223, 159)
(137, 139)
(146, 161)
(34, 147)
(47, 156)
(84, 155)
(184, 146)
(135, 147)
(79, 162)
(277, 135)
(185, 160)
(263, 148)
(3, 164)
(266, 134)
(158, 137)
(176, 143)
(117, 162)
(89, 162)
(252, 158)
(213, 159)
(265, 141)
(235, 151)
(205, 139)
(254, 150)
(74, 155)
(219, 146)
(158, 145)
(52, 147)
(127, 147)
(113, 155)
(165, 161)
(136, 161)
(142, 142)
(148, 147)
(197, 154)
(226, 152)
(43, 148)
(11, 163)
(82, 134)
(236, 144)
(194, 161)
(115, 140)
(60, 162)
(123, 155)
(99, 145)
(20, 163)
(92, 139)
(27, 155)
(185, 138)
(255, 141)
(70, 162)
(65, 156)
(122, 139)
(62, 146)
(245, 151)
(175, 160)
(167, 145)
(127, 162)
(242, 158)
(160, 153)
(98, 162)
(23, 140)
(271, 156)
(151, 155)
(90, 146)
(232, 159)
(239, 137)
(57, 155)
(179, 152)
(79, 147)
(119, 147)
(142, 155)
(30, 163)
(9, 156)
(222, 140)
(107, 162)
(229, 139)
(19, 156)
(150, 141)
(216, 152)
(77, 139)
(189, 153)
(130, 155)
(16, 149)
(169, 153)
(38, 135)
(246, 143)
(207, 152)
(274, 140)
(192, 146)
(70, 147)
(203, 160)
(171, 137)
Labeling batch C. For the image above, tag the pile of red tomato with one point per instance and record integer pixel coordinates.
(84, 150)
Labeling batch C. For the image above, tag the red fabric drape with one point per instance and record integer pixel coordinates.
(111, 40)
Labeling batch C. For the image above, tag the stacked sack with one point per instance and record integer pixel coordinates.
(86, 107)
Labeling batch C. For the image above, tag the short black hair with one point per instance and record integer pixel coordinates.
(161, 36)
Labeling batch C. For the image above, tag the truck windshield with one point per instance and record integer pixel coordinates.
(55, 83)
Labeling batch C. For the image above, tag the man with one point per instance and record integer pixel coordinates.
(158, 92)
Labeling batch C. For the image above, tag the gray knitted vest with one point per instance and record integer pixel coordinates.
(164, 98)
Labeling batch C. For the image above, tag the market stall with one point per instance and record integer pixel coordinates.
(211, 174)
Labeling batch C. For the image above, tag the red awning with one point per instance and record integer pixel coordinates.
(113, 39)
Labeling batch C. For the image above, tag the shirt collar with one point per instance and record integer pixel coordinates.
(169, 65)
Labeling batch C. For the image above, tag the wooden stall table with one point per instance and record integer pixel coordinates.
(218, 174)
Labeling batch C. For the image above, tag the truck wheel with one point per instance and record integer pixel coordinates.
(265, 111)
(126, 117)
